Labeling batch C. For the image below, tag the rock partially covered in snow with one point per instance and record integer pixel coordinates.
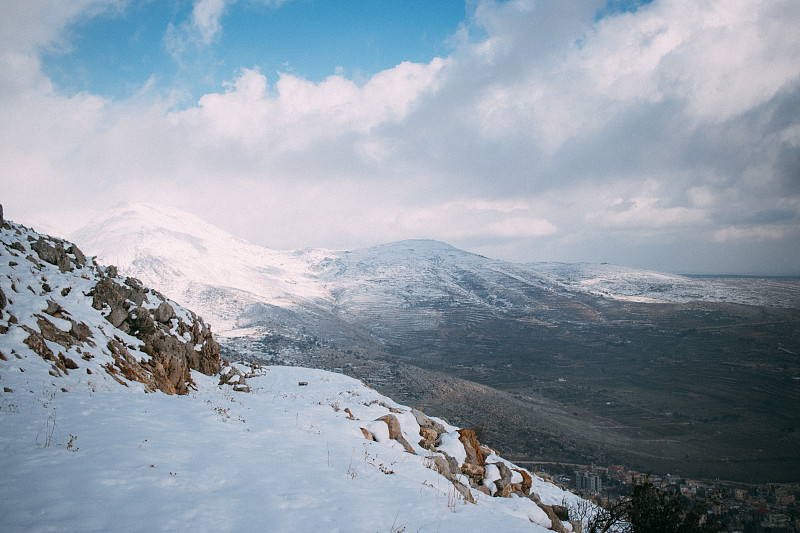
(234, 376)
(72, 318)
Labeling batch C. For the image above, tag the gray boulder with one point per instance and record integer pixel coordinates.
(80, 259)
(164, 313)
(441, 465)
(55, 255)
(427, 422)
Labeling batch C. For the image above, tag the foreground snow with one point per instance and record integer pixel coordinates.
(284, 457)
(85, 447)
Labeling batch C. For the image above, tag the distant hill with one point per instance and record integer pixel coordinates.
(589, 363)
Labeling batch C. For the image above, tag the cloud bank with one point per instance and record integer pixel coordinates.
(667, 137)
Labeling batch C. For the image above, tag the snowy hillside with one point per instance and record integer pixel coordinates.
(199, 264)
(623, 283)
(81, 322)
(283, 458)
(86, 448)
(226, 279)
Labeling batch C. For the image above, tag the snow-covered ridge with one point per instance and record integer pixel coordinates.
(75, 319)
(223, 277)
(188, 259)
(84, 449)
(285, 457)
(636, 285)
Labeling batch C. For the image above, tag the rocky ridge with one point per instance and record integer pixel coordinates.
(459, 456)
(82, 318)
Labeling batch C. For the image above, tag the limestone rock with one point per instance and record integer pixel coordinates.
(505, 477)
(556, 524)
(231, 375)
(81, 332)
(53, 334)
(106, 293)
(475, 472)
(425, 421)
(475, 454)
(117, 316)
(527, 481)
(395, 431)
(441, 465)
(80, 259)
(35, 342)
(429, 437)
(483, 489)
(67, 362)
(464, 490)
(452, 463)
(54, 310)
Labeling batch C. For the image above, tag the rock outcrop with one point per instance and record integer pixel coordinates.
(480, 469)
(232, 375)
(166, 342)
(175, 344)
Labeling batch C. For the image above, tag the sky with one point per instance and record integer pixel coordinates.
(659, 134)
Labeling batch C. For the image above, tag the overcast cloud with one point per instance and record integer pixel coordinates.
(665, 138)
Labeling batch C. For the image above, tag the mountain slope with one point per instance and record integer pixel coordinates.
(243, 448)
(197, 263)
(636, 285)
(235, 284)
(588, 363)
(77, 319)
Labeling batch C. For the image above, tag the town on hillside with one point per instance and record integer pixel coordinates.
(744, 507)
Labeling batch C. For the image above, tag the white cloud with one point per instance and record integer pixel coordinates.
(721, 58)
(555, 132)
(28, 26)
(205, 18)
(522, 227)
(300, 112)
(758, 233)
(203, 26)
(644, 213)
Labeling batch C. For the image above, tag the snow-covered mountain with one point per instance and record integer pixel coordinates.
(387, 294)
(542, 344)
(199, 264)
(636, 285)
(243, 448)
(224, 277)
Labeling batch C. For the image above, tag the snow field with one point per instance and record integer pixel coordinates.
(282, 458)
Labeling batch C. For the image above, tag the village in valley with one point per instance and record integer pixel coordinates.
(746, 507)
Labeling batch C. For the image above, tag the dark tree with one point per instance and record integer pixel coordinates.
(651, 510)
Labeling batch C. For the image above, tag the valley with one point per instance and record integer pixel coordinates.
(699, 389)
(566, 362)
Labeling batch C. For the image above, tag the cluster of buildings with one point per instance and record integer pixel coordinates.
(746, 508)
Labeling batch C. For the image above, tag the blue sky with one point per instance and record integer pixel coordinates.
(660, 134)
(116, 53)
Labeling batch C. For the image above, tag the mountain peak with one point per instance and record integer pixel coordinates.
(142, 217)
